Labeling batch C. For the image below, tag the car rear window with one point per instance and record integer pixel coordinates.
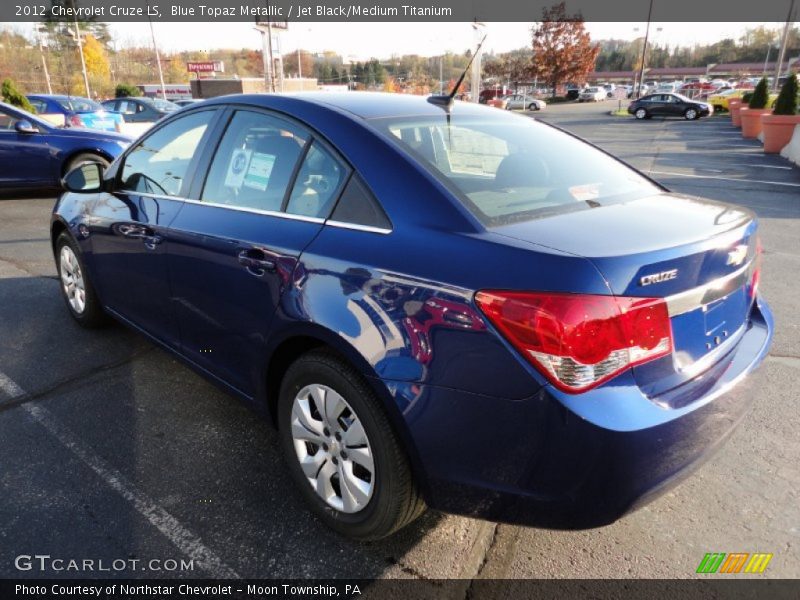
(80, 105)
(508, 168)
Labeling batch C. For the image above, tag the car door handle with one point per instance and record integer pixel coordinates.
(141, 232)
(256, 262)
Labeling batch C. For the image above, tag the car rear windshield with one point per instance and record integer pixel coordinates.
(508, 168)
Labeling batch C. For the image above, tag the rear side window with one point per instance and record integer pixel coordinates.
(158, 164)
(318, 182)
(357, 206)
(255, 162)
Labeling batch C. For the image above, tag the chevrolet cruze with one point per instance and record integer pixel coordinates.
(438, 304)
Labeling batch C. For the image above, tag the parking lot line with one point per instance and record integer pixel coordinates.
(183, 539)
(784, 183)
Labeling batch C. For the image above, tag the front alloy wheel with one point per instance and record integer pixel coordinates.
(690, 114)
(341, 450)
(640, 113)
(72, 280)
(76, 285)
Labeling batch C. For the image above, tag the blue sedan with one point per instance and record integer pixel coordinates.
(437, 304)
(36, 154)
(77, 111)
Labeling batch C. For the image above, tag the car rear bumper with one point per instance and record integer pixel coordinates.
(543, 462)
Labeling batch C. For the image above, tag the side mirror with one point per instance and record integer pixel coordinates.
(86, 178)
(24, 126)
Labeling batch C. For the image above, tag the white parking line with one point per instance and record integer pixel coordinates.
(724, 178)
(183, 539)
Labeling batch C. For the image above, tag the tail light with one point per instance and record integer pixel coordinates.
(578, 341)
(75, 121)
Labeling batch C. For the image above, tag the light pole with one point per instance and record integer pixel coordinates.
(644, 49)
(784, 40)
(44, 62)
(158, 58)
(80, 51)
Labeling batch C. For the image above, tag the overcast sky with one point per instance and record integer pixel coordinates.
(364, 40)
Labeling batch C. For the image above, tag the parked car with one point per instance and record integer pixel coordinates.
(720, 100)
(592, 94)
(77, 111)
(518, 102)
(609, 88)
(186, 101)
(141, 109)
(398, 283)
(36, 154)
(669, 105)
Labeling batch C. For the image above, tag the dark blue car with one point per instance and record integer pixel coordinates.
(77, 111)
(36, 154)
(444, 306)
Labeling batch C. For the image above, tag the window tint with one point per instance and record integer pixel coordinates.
(358, 207)
(255, 162)
(317, 185)
(158, 164)
(506, 168)
(39, 105)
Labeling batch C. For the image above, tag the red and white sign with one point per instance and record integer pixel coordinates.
(208, 66)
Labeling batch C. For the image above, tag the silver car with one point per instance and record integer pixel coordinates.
(523, 102)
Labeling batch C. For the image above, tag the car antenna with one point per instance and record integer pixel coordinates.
(446, 100)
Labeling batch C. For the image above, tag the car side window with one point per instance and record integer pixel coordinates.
(317, 184)
(357, 206)
(158, 164)
(7, 122)
(254, 163)
(39, 105)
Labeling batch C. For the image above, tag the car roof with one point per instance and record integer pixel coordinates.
(366, 105)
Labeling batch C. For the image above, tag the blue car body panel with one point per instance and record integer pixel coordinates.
(487, 435)
(33, 160)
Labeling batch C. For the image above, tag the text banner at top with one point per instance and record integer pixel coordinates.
(388, 10)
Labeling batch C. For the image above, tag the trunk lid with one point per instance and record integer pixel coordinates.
(697, 254)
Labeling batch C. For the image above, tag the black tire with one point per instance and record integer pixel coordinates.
(395, 500)
(533, 106)
(641, 113)
(85, 157)
(93, 315)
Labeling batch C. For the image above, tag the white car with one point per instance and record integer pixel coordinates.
(592, 94)
(523, 102)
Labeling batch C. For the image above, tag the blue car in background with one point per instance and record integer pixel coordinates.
(77, 111)
(437, 303)
(36, 154)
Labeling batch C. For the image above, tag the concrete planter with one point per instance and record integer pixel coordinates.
(734, 106)
(751, 121)
(778, 130)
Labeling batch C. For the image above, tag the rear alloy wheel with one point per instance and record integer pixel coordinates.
(640, 113)
(690, 114)
(533, 106)
(341, 450)
(76, 288)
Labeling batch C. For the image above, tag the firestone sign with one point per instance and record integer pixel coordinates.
(205, 67)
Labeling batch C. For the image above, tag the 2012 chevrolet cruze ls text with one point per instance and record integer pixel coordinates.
(438, 304)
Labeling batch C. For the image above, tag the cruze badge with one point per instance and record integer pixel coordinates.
(737, 255)
(658, 277)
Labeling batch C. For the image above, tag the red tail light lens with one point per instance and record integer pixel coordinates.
(578, 341)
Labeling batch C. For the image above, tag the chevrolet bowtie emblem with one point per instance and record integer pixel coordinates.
(737, 255)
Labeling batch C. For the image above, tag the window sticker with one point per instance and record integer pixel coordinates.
(583, 193)
(237, 168)
(259, 171)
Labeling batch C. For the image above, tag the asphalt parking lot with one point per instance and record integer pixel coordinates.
(112, 449)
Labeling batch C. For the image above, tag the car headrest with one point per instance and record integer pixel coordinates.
(521, 170)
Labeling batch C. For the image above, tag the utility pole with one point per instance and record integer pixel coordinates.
(80, 51)
(475, 86)
(644, 49)
(44, 62)
(158, 57)
(784, 40)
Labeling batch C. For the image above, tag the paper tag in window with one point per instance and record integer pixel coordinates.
(237, 168)
(259, 171)
(586, 192)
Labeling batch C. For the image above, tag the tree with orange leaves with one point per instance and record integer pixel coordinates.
(562, 49)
